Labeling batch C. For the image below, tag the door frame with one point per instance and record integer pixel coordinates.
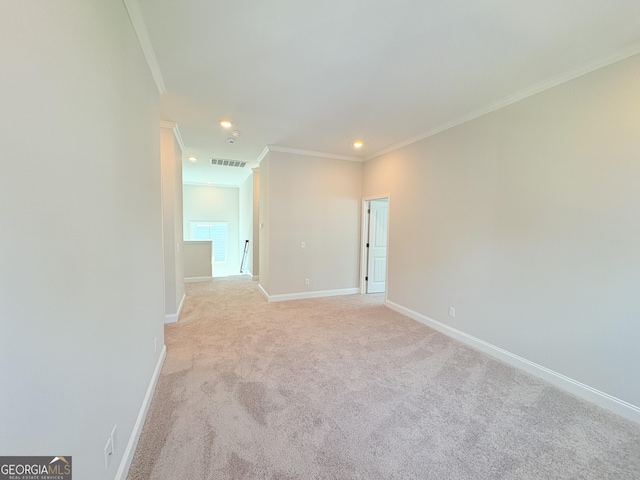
(363, 241)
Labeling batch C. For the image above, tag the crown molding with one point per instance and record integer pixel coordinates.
(262, 155)
(176, 131)
(629, 51)
(135, 15)
(310, 153)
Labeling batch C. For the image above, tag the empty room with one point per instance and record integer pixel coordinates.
(320, 240)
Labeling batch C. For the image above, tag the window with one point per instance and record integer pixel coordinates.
(214, 231)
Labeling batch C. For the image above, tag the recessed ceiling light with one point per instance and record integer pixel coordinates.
(224, 123)
(192, 158)
(357, 144)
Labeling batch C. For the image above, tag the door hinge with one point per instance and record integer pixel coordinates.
(369, 211)
(366, 279)
(367, 245)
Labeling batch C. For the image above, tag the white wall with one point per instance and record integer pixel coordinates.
(245, 194)
(527, 221)
(317, 201)
(197, 260)
(81, 278)
(171, 173)
(256, 223)
(215, 204)
(177, 224)
(264, 224)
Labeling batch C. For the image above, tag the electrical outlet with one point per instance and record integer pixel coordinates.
(303, 245)
(306, 281)
(452, 312)
(108, 453)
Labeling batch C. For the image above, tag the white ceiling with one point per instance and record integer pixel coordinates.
(316, 75)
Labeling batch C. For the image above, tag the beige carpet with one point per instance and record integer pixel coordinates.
(344, 388)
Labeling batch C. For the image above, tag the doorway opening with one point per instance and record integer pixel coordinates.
(375, 215)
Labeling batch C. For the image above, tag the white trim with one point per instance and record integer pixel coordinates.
(184, 297)
(262, 155)
(627, 52)
(137, 20)
(255, 278)
(310, 153)
(263, 292)
(376, 197)
(176, 131)
(317, 294)
(174, 317)
(563, 382)
(197, 279)
(363, 241)
(125, 463)
(363, 249)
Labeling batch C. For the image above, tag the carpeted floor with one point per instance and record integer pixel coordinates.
(344, 388)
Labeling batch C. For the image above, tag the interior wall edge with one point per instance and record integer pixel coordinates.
(263, 292)
(629, 51)
(125, 463)
(585, 392)
(174, 317)
(285, 297)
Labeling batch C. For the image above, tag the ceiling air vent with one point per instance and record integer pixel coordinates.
(227, 163)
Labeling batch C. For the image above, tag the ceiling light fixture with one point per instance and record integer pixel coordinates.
(224, 123)
(192, 158)
(357, 144)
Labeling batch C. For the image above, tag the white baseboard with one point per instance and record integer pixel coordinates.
(317, 294)
(263, 292)
(174, 317)
(197, 279)
(184, 297)
(563, 382)
(125, 463)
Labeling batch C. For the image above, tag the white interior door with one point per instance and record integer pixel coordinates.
(377, 246)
